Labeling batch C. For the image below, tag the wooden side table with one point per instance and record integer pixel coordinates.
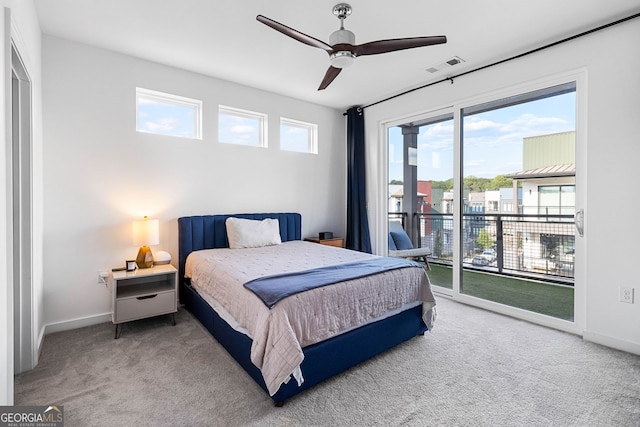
(336, 241)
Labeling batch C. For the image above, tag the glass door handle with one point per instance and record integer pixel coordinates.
(580, 222)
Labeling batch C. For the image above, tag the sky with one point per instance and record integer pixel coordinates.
(234, 129)
(165, 118)
(492, 141)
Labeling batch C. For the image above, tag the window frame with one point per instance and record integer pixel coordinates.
(312, 134)
(561, 208)
(263, 124)
(174, 100)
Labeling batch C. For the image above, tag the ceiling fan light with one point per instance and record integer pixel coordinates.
(342, 59)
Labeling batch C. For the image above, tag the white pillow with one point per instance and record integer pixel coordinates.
(250, 233)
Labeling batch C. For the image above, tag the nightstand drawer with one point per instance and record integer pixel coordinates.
(133, 308)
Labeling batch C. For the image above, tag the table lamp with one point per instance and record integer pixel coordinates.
(145, 234)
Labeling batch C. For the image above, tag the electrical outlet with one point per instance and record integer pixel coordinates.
(102, 277)
(626, 294)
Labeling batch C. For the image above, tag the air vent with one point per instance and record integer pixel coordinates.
(446, 64)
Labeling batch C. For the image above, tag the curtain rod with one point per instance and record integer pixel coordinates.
(451, 78)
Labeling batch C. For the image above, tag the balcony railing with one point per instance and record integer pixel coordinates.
(535, 246)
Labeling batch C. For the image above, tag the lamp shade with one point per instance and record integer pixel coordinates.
(146, 232)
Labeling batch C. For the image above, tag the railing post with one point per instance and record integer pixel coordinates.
(499, 243)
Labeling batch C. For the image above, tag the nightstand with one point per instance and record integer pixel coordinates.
(143, 293)
(335, 241)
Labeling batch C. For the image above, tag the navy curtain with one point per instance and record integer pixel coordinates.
(357, 223)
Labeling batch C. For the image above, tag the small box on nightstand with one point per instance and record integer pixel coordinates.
(323, 235)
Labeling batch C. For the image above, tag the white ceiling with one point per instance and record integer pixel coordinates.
(223, 39)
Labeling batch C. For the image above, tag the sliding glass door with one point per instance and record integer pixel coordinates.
(518, 201)
(503, 231)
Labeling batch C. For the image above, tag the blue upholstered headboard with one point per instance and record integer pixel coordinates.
(209, 232)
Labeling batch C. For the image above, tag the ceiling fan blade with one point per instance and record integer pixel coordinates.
(392, 45)
(331, 74)
(294, 34)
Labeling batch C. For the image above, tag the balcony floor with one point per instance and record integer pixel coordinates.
(539, 297)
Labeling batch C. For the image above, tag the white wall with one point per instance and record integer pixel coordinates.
(100, 174)
(24, 30)
(607, 156)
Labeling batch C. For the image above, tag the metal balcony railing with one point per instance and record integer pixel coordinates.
(534, 246)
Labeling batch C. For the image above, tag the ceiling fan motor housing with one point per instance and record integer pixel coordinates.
(342, 58)
(342, 36)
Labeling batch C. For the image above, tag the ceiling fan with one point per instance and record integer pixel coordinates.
(343, 50)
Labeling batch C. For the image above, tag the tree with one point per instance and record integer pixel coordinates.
(395, 182)
(484, 239)
(472, 183)
(475, 184)
(443, 185)
(501, 182)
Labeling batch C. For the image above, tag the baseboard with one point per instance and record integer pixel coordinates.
(77, 323)
(613, 342)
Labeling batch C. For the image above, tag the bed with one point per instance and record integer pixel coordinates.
(308, 357)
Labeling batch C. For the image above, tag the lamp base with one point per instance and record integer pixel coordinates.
(144, 258)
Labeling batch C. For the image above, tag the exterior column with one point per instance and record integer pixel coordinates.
(410, 180)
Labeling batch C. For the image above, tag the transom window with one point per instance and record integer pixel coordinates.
(165, 114)
(298, 136)
(242, 127)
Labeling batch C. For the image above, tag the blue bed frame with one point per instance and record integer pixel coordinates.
(322, 360)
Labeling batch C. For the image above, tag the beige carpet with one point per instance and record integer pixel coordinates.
(476, 368)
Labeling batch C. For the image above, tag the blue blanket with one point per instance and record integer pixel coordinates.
(271, 289)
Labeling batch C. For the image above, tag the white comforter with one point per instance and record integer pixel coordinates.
(306, 318)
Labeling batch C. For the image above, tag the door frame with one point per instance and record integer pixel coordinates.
(579, 76)
(21, 175)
